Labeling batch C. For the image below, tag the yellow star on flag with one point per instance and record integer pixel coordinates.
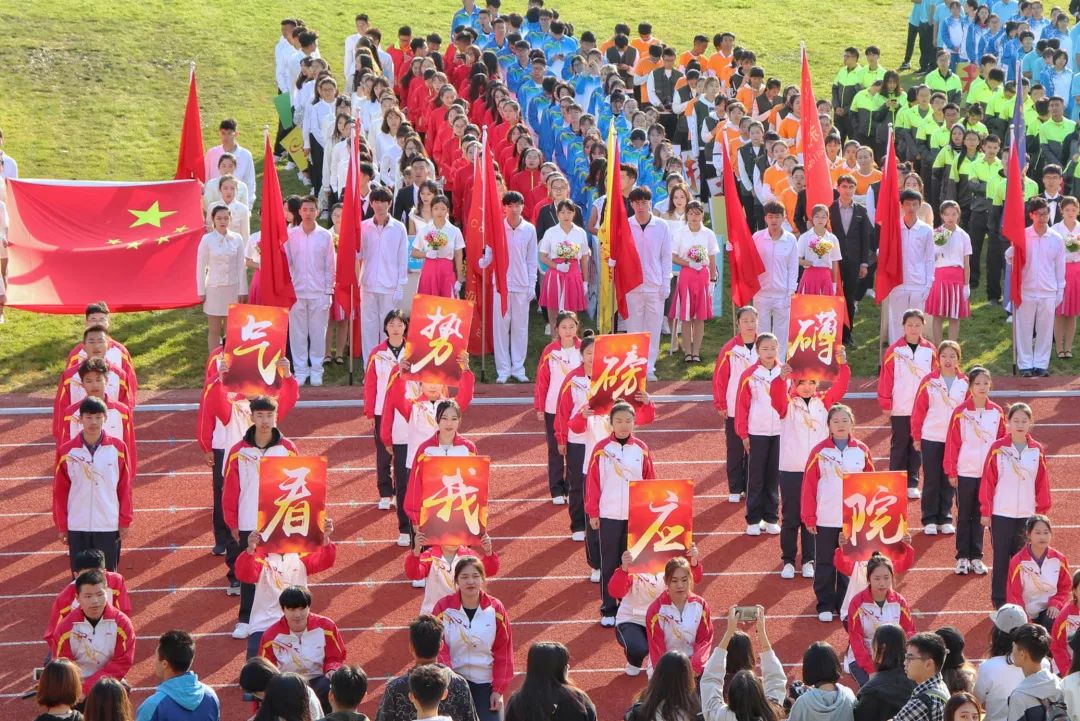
(180, 229)
(113, 241)
(134, 245)
(162, 240)
(150, 216)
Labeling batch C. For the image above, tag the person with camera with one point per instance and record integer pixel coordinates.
(752, 698)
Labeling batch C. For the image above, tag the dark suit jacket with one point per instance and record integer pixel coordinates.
(1055, 216)
(547, 218)
(855, 243)
(404, 202)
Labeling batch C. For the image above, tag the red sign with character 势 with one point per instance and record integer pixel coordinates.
(875, 514)
(455, 492)
(814, 333)
(661, 523)
(438, 334)
(620, 363)
(292, 503)
(255, 338)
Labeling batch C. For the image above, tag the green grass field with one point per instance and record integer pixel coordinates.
(96, 91)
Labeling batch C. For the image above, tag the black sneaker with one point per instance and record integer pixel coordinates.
(905, 66)
(1041, 373)
(218, 550)
(1026, 373)
(233, 589)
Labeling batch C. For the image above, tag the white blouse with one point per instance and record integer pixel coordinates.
(685, 239)
(811, 257)
(555, 235)
(954, 251)
(220, 262)
(455, 241)
(239, 219)
(1069, 236)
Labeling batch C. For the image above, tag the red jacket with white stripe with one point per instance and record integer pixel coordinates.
(404, 398)
(754, 412)
(934, 405)
(414, 496)
(689, 630)
(380, 367)
(432, 566)
(117, 354)
(1037, 586)
(637, 591)
(596, 428)
(1014, 484)
(240, 494)
(733, 360)
(573, 395)
(611, 468)
(901, 373)
(66, 601)
(92, 492)
(823, 481)
(1065, 625)
(104, 649)
(803, 422)
(316, 651)
(70, 389)
(863, 618)
(555, 364)
(971, 433)
(118, 424)
(272, 573)
(232, 412)
(481, 648)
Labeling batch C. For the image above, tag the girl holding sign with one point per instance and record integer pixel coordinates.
(1039, 575)
(823, 503)
(975, 425)
(477, 642)
(435, 565)
(874, 606)
(636, 593)
(557, 360)
(680, 620)
(804, 413)
(444, 442)
(758, 425)
(1015, 486)
(939, 394)
(381, 366)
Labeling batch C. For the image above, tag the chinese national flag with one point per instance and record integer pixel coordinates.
(890, 270)
(346, 285)
(819, 188)
(1013, 224)
(746, 265)
(485, 229)
(189, 161)
(73, 243)
(616, 241)
(275, 283)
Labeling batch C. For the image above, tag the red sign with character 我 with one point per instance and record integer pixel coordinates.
(875, 514)
(620, 364)
(254, 342)
(455, 492)
(292, 503)
(438, 334)
(661, 523)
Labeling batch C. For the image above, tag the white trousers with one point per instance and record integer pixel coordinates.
(774, 314)
(373, 310)
(308, 319)
(901, 300)
(645, 308)
(1033, 326)
(511, 333)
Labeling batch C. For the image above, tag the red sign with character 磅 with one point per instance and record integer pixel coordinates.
(438, 334)
(292, 503)
(661, 523)
(255, 338)
(814, 334)
(875, 514)
(455, 492)
(620, 364)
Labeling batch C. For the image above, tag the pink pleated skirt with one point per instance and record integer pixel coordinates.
(692, 299)
(946, 299)
(437, 277)
(563, 291)
(1070, 303)
(816, 281)
(254, 288)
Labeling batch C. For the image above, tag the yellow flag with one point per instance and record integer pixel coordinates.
(605, 308)
(294, 143)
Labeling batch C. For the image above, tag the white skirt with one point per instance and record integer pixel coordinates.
(218, 299)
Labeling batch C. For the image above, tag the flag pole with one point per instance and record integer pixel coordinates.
(883, 319)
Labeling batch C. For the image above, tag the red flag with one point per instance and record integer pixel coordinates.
(189, 161)
(135, 244)
(275, 283)
(819, 189)
(890, 269)
(628, 274)
(1013, 224)
(346, 284)
(746, 263)
(475, 242)
(495, 233)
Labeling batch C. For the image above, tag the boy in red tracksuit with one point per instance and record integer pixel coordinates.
(304, 643)
(735, 357)
(97, 637)
(119, 422)
(117, 353)
(70, 388)
(91, 503)
(66, 601)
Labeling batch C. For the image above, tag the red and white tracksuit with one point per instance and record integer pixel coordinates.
(315, 651)
(431, 565)
(597, 427)
(688, 630)
(404, 397)
(272, 573)
(731, 363)
(823, 480)
(224, 416)
(103, 649)
(1065, 625)
(116, 354)
(803, 422)
(611, 468)
(240, 496)
(1036, 586)
(481, 648)
(1015, 484)
(934, 405)
(92, 492)
(66, 601)
(430, 448)
(381, 365)
(901, 373)
(119, 423)
(637, 591)
(554, 366)
(70, 389)
(971, 433)
(863, 618)
(754, 412)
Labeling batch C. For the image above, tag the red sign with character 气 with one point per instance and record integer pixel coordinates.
(814, 336)
(292, 503)
(455, 492)
(661, 523)
(438, 334)
(254, 342)
(620, 364)
(875, 514)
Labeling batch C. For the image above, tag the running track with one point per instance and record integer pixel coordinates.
(543, 580)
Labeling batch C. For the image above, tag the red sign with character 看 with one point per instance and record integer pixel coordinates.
(620, 364)
(292, 503)
(875, 514)
(455, 492)
(438, 333)
(814, 336)
(255, 338)
(661, 523)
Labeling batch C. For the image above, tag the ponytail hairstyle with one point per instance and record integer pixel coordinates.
(841, 408)
(976, 372)
(588, 337)
(624, 407)
(876, 561)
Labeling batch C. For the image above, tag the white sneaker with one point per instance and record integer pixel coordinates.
(632, 670)
(666, 329)
(384, 504)
(914, 493)
(788, 572)
(240, 630)
(578, 536)
(773, 529)
(734, 498)
(870, 293)
(419, 583)
(607, 621)
(978, 567)
(808, 569)
(558, 501)
(547, 329)
(930, 529)
(289, 165)
(520, 377)
(962, 566)
(651, 377)
(753, 529)
(300, 379)
(316, 379)
(1008, 319)
(501, 379)
(825, 617)
(403, 540)
(595, 575)
(948, 529)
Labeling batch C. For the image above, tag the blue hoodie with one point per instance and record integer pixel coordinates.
(183, 698)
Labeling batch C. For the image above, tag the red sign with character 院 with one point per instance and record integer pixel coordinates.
(620, 363)
(254, 342)
(292, 503)
(455, 492)
(661, 523)
(814, 336)
(438, 333)
(875, 514)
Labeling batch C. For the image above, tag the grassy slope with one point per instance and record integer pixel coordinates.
(96, 91)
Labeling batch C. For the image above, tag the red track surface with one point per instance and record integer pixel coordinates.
(543, 579)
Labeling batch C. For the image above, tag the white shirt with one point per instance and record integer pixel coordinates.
(1044, 270)
(555, 235)
(918, 247)
(685, 239)
(220, 262)
(337, 161)
(521, 246)
(455, 241)
(283, 52)
(311, 261)
(318, 118)
(781, 260)
(1060, 228)
(8, 167)
(653, 242)
(239, 218)
(956, 248)
(245, 167)
(212, 192)
(384, 256)
(350, 56)
(815, 260)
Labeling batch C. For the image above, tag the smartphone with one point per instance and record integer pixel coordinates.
(746, 613)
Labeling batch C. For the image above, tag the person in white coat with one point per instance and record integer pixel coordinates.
(220, 275)
(646, 302)
(752, 698)
(310, 252)
(779, 251)
(511, 329)
(918, 253)
(384, 268)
